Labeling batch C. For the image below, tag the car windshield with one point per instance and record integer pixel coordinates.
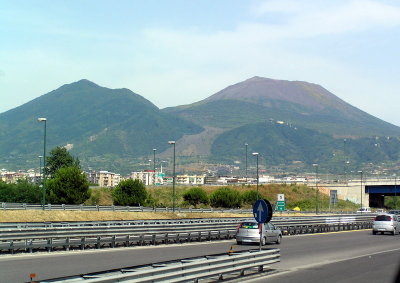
(249, 225)
(383, 218)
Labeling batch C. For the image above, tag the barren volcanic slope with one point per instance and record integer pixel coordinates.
(299, 103)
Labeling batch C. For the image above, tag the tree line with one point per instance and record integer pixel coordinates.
(67, 184)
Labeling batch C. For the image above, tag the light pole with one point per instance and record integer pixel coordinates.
(256, 155)
(154, 165)
(173, 179)
(361, 186)
(246, 145)
(345, 160)
(44, 161)
(316, 188)
(40, 168)
(395, 191)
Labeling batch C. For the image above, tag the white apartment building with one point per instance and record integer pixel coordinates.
(148, 177)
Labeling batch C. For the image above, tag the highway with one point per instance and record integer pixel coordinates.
(331, 257)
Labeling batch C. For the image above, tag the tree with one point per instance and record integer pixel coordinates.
(250, 197)
(59, 158)
(68, 186)
(129, 192)
(225, 197)
(21, 192)
(195, 196)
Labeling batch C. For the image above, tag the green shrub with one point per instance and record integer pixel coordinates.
(225, 197)
(68, 186)
(130, 192)
(195, 196)
(21, 192)
(250, 197)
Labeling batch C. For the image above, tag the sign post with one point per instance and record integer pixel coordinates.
(281, 203)
(261, 214)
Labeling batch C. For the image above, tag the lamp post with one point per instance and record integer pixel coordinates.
(361, 187)
(246, 145)
(256, 155)
(345, 160)
(173, 179)
(316, 188)
(40, 168)
(154, 165)
(44, 161)
(395, 191)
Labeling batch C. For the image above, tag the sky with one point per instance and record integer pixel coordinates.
(176, 52)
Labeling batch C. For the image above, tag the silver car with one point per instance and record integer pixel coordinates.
(386, 223)
(249, 232)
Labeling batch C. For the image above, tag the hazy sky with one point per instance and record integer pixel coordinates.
(179, 52)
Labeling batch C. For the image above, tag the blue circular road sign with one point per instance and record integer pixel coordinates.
(260, 211)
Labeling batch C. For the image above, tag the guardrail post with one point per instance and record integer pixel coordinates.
(29, 245)
(3, 205)
(98, 242)
(24, 206)
(83, 242)
(67, 246)
(113, 241)
(11, 249)
(153, 239)
(63, 206)
(49, 244)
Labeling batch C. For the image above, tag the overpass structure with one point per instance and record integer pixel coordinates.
(369, 192)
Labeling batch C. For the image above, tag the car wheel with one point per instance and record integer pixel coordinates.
(279, 240)
(374, 232)
(263, 241)
(239, 242)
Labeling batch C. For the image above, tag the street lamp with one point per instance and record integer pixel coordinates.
(40, 168)
(44, 161)
(154, 165)
(395, 191)
(256, 155)
(361, 186)
(246, 145)
(173, 179)
(316, 188)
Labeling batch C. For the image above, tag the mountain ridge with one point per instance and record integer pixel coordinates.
(117, 128)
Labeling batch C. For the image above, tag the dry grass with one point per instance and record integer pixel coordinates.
(58, 216)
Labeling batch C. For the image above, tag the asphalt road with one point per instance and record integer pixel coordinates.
(343, 256)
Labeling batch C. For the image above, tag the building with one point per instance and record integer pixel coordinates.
(103, 178)
(190, 179)
(148, 177)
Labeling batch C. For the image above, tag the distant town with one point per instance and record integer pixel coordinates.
(104, 178)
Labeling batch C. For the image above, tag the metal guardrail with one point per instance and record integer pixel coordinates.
(174, 231)
(186, 270)
(81, 207)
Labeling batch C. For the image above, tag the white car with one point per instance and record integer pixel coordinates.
(364, 210)
(386, 223)
(249, 232)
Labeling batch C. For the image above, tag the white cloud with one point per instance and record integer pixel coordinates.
(313, 18)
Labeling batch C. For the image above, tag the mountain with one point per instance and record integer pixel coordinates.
(301, 103)
(283, 144)
(100, 126)
(291, 124)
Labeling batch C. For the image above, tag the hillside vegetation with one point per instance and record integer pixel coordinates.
(300, 196)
